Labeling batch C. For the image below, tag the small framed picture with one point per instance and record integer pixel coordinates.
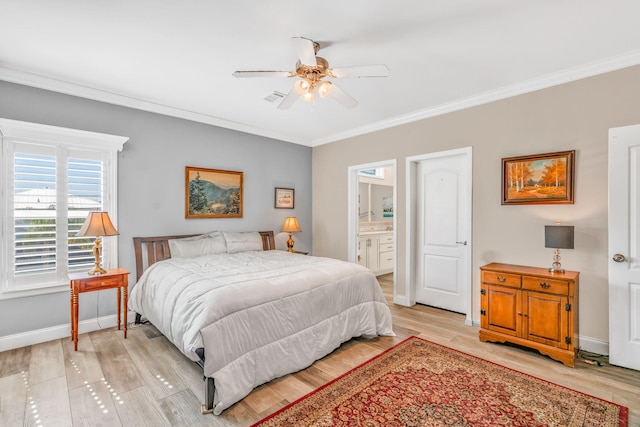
(285, 198)
(538, 179)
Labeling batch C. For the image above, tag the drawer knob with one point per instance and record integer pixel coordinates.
(502, 279)
(545, 285)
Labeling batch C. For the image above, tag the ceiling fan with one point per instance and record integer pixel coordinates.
(311, 71)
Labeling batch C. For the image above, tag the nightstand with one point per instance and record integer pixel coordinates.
(301, 252)
(117, 278)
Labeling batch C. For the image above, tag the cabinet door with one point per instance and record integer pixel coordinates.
(547, 320)
(362, 251)
(373, 262)
(503, 310)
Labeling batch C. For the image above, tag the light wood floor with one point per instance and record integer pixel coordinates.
(145, 381)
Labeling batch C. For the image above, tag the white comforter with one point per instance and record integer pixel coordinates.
(259, 315)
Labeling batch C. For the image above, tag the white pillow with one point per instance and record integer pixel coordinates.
(243, 242)
(204, 244)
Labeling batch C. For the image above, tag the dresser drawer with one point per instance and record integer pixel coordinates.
(386, 247)
(386, 238)
(503, 279)
(386, 261)
(98, 282)
(560, 287)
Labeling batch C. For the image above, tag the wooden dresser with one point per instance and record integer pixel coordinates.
(531, 307)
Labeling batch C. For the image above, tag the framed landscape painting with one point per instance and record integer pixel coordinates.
(213, 193)
(538, 179)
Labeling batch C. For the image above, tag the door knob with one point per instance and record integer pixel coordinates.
(462, 243)
(619, 258)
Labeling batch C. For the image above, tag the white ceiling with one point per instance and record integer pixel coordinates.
(177, 57)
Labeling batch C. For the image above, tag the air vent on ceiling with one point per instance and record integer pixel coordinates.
(274, 96)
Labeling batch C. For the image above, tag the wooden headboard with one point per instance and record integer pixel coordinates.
(157, 249)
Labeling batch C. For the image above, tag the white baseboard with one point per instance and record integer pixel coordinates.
(61, 331)
(56, 332)
(401, 300)
(593, 345)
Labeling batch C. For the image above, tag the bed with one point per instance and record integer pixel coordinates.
(247, 313)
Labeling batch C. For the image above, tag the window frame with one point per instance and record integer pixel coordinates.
(62, 140)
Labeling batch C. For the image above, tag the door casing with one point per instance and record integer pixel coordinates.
(411, 218)
(352, 211)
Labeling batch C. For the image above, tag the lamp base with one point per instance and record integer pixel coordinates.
(97, 251)
(290, 243)
(556, 267)
(96, 271)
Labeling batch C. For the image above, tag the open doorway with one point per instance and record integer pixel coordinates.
(372, 216)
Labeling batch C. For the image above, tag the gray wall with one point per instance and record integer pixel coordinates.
(151, 175)
(572, 116)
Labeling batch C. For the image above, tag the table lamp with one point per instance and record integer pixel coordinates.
(558, 237)
(290, 226)
(97, 224)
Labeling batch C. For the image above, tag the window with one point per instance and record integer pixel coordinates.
(373, 173)
(52, 178)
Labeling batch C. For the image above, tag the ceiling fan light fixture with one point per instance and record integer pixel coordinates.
(311, 69)
(324, 88)
(304, 86)
(310, 96)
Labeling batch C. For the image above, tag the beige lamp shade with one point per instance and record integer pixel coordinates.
(291, 226)
(97, 224)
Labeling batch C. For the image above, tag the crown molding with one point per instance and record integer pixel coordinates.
(554, 79)
(41, 82)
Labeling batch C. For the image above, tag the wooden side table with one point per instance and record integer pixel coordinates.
(82, 282)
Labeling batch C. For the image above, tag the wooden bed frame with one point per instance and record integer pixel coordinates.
(157, 249)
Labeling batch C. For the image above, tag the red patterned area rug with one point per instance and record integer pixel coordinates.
(419, 383)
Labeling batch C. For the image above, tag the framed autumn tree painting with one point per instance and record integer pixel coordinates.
(538, 179)
(213, 193)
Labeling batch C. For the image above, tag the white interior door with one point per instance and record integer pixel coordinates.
(443, 202)
(624, 246)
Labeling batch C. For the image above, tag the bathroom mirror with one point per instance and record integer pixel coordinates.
(375, 202)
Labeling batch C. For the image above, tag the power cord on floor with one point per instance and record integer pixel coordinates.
(593, 358)
(134, 325)
(98, 310)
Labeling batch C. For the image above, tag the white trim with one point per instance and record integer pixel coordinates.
(35, 132)
(594, 345)
(410, 223)
(401, 299)
(352, 216)
(520, 88)
(42, 82)
(64, 141)
(553, 79)
(38, 336)
(25, 291)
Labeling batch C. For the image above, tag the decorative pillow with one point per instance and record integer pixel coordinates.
(204, 244)
(243, 242)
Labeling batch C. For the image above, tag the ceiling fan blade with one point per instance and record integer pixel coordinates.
(380, 70)
(243, 74)
(343, 97)
(305, 50)
(289, 100)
